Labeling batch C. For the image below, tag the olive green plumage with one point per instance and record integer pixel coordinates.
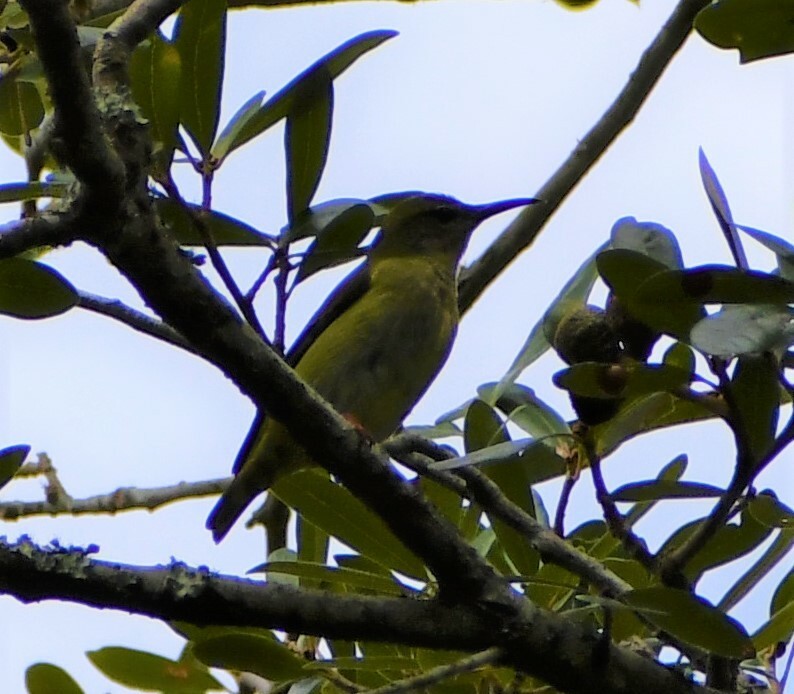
(377, 343)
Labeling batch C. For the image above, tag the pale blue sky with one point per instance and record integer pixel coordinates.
(479, 100)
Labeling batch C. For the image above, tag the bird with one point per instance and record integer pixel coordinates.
(376, 344)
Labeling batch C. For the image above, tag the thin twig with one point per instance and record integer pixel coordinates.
(441, 673)
(614, 519)
(113, 308)
(122, 499)
(475, 486)
(562, 504)
(245, 307)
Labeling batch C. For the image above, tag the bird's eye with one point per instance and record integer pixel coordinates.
(444, 214)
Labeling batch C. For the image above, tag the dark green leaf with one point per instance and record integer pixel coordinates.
(769, 510)
(235, 126)
(632, 380)
(155, 70)
(225, 230)
(778, 629)
(645, 414)
(626, 271)
(31, 290)
(780, 247)
(21, 109)
(141, 670)
(758, 28)
(337, 512)
(374, 663)
(524, 408)
(316, 219)
(652, 240)
(11, 459)
(312, 542)
(306, 138)
(719, 203)
(744, 329)
(338, 242)
(483, 428)
(772, 556)
(693, 620)
(784, 594)
(45, 678)
(200, 37)
(680, 356)
(756, 392)
(729, 543)
(18, 192)
(654, 490)
(714, 284)
(333, 576)
(574, 293)
(336, 62)
(266, 657)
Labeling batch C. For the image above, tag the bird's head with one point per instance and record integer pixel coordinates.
(436, 224)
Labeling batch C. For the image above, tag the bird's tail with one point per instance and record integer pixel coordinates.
(241, 492)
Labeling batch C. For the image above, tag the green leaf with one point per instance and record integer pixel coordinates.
(631, 380)
(336, 62)
(773, 555)
(654, 490)
(33, 190)
(155, 72)
(756, 391)
(235, 126)
(312, 542)
(525, 409)
(338, 242)
(263, 656)
(225, 230)
(625, 272)
(31, 290)
(200, 38)
(147, 671)
(648, 238)
(769, 510)
(484, 428)
(779, 628)
(782, 249)
(373, 663)
(714, 284)
(758, 28)
(693, 620)
(306, 138)
(744, 329)
(574, 293)
(655, 411)
(333, 576)
(784, 594)
(729, 543)
(46, 678)
(719, 203)
(11, 459)
(681, 356)
(21, 108)
(337, 512)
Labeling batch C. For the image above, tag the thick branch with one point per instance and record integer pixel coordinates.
(562, 652)
(523, 231)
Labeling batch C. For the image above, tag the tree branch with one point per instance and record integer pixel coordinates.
(526, 227)
(560, 651)
(113, 308)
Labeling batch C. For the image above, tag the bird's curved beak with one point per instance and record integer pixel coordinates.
(493, 208)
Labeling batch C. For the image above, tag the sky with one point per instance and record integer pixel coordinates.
(475, 99)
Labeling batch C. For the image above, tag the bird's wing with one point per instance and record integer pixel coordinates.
(349, 290)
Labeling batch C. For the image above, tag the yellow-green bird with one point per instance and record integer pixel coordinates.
(376, 344)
